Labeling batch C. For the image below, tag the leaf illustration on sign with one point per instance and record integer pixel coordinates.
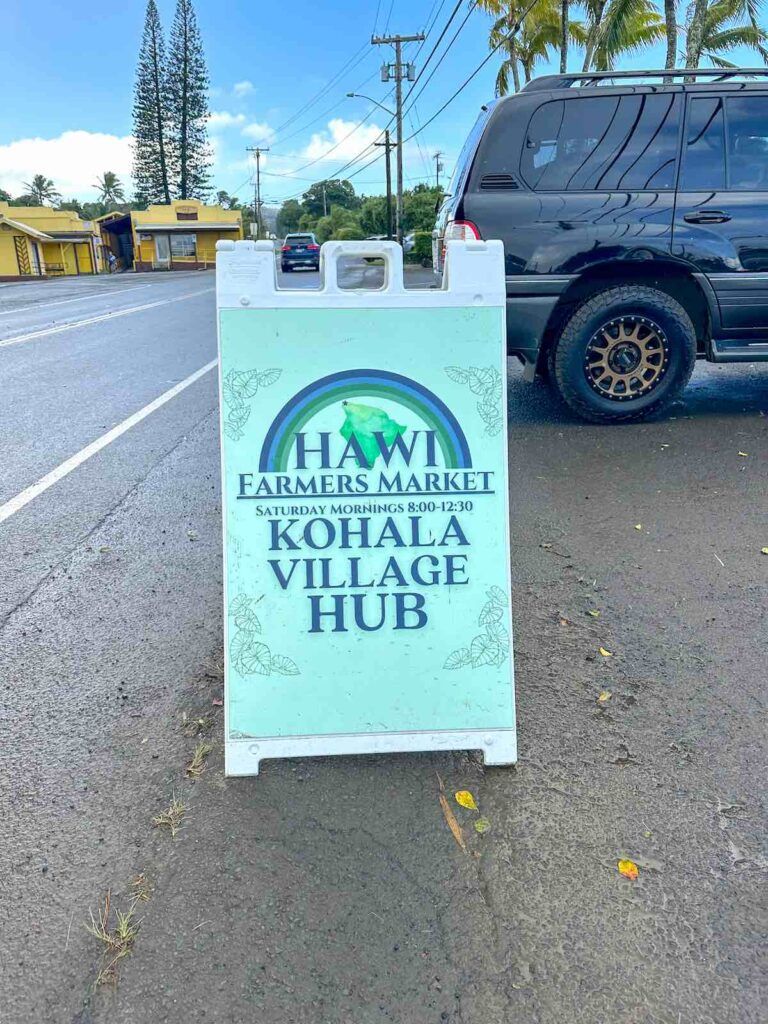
(249, 654)
(485, 382)
(238, 387)
(366, 422)
(490, 647)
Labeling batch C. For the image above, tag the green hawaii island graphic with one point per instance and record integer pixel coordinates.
(365, 422)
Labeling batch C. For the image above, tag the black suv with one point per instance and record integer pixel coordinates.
(633, 208)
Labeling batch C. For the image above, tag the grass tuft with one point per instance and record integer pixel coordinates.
(172, 817)
(196, 766)
(196, 725)
(117, 941)
(141, 890)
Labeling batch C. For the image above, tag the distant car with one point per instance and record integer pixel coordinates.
(300, 250)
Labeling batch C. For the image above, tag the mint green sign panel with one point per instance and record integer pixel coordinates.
(364, 466)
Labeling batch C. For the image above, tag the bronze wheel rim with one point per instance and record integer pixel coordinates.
(626, 358)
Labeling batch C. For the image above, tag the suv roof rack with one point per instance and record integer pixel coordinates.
(585, 78)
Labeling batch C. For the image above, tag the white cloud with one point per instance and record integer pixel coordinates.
(219, 120)
(73, 160)
(243, 88)
(342, 139)
(258, 130)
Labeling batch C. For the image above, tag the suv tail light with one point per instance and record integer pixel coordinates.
(313, 248)
(462, 230)
(286, 248)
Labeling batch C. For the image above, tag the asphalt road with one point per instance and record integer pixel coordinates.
(330, 891)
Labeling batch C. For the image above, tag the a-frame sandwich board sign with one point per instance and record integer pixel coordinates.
(365, 507)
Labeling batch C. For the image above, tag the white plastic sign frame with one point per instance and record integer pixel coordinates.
(365, 508)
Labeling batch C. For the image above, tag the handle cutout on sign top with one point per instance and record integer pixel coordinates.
(390, 252)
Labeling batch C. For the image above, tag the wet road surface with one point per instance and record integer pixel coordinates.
(331, 890)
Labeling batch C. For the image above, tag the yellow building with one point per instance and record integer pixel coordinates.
(179, 236)
(21, 250)
(66, 243)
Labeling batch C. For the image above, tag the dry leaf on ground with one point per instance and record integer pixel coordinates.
(604, 696)
(605, 653)
(482, 825)
(629, 869)
(465, 798)
(453, 825)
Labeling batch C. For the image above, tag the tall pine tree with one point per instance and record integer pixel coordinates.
(188, 101)
(151, 126)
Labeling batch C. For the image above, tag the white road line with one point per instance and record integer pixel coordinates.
(29, 493)
(97, 319)
(79, 298)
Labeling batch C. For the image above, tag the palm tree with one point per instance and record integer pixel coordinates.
(726, 25)
(539, 34)
(619, 27)
(110, 188)
(42, 190)
(670, 21)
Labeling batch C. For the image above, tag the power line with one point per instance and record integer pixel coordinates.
(515, 29)
(386, 23)
(376, 18)
(366, 150)
(354, 60)
(328, 110)
(444, 53)
(344, 138)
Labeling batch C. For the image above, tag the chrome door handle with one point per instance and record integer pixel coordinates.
(707, 217)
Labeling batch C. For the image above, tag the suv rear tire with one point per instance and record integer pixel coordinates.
(625, 353)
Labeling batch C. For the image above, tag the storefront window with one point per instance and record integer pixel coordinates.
(183, 245)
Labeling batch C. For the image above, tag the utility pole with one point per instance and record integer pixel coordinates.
(388, 146)
(438, 167)
(258, 150)
(399, 71)
(325, 202)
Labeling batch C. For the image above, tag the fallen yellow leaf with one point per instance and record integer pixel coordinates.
(482, 825)
(465, 798)
(764, 551)
(604, 696)
(594, 613)
(744, 455)
(629, 869)
(605, 654)
(638, 526)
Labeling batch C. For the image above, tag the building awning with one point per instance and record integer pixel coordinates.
(26, 229)
(71, 236)
(188, 226)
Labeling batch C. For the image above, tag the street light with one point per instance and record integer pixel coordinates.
(387, 146)
(359, 96)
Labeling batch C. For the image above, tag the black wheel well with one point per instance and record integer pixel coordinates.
(671, 278)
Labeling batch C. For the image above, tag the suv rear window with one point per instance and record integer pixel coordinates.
(603, 143)
(747, 121)
(299, 240)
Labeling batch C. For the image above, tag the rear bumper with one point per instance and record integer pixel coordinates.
(300, 261)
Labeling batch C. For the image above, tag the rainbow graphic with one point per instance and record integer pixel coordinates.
(352, 384)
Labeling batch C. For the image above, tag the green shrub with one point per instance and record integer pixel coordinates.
(422, 248)
(348, 234)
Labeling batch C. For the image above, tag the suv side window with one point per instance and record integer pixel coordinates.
(747, 124)
(606, 143)
(704, 161)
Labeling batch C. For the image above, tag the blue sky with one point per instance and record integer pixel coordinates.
(71, 117)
